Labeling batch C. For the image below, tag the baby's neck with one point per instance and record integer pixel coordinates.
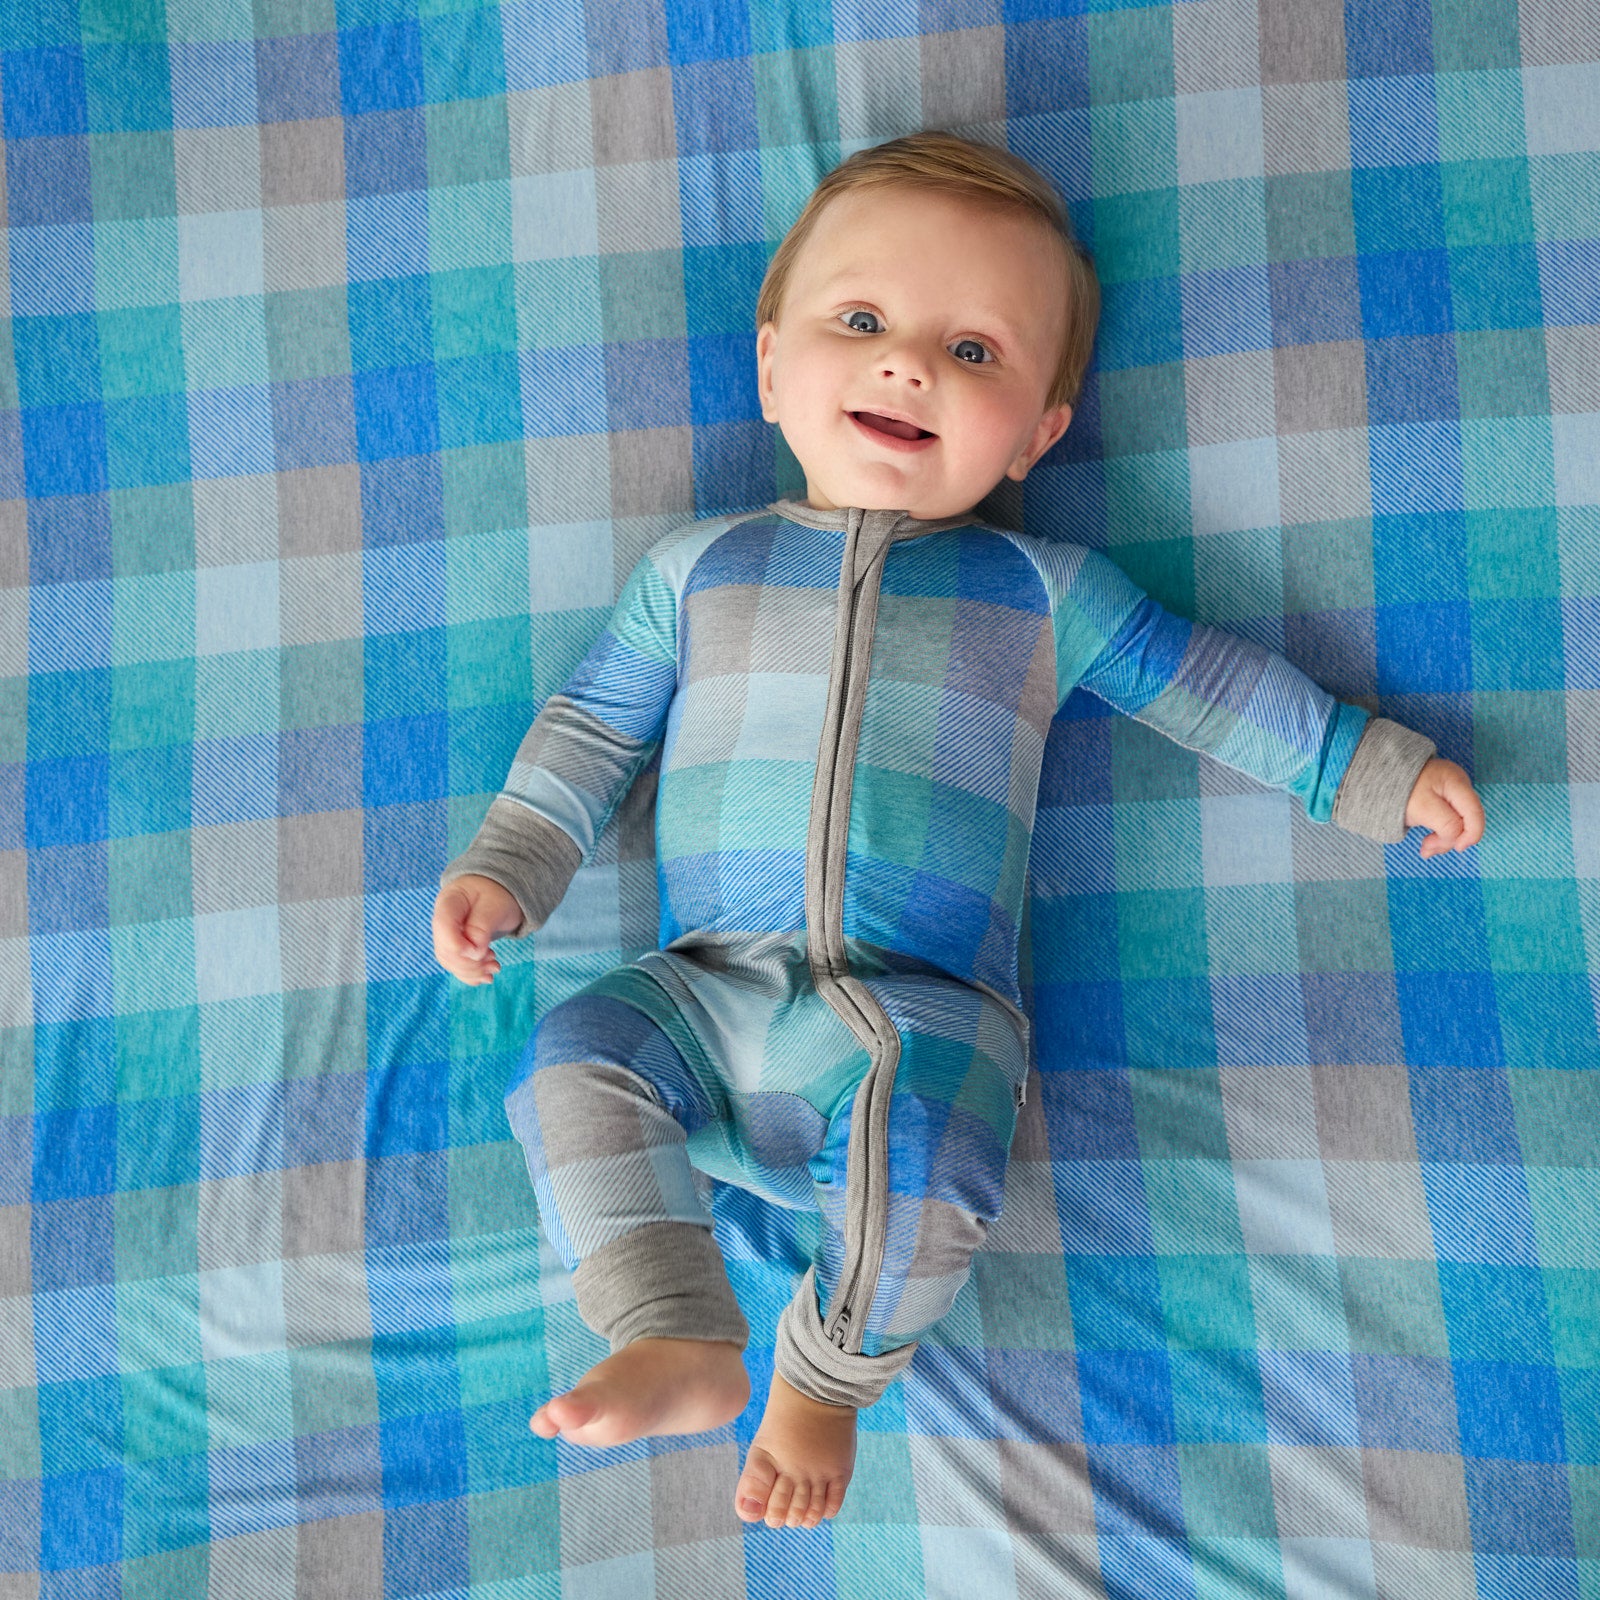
(838, 516)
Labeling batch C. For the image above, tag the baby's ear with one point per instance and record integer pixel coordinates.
(766, 343)
(1051, 426)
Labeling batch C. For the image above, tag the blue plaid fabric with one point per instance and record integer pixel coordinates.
(351, 354)
(720, 647)
(606, 1161)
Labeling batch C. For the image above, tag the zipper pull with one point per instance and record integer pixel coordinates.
(841, 1327)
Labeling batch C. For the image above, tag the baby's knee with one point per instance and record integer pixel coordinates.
(594, 1056)
(586, 1028)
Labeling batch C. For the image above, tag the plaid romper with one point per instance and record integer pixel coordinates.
(852, 709)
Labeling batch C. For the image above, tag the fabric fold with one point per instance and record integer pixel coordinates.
(806, 1360)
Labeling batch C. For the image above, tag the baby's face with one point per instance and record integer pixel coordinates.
(930, 311)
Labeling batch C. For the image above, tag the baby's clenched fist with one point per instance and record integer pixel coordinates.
(469, 912)
(1444, 801)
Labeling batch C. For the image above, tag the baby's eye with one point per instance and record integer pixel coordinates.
(871, 316)
(980, 353)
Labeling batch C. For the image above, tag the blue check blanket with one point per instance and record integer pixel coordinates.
(352, 352)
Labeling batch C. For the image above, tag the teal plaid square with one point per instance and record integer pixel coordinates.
(1192, 1207)
(158, 1323)
(1222, 224)
(247, 1399)
(474, 311)
(1507, 461)
(1135, 148)
(153, 619)
(1474, 35)
(1480, 114)
(152, 965)
(1216, 1398)
(225, 343)
(1227, 1494)
(1565, 202)
(1130, 55)
(1565, 1204)
(469, 226)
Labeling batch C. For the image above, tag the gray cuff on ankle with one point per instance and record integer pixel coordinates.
(665, 1280)
(806, 1361)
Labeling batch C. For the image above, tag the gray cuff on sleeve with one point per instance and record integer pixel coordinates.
(806, 1361)
(524, 853)
(1378, 782)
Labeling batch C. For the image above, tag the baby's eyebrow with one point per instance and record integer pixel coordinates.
(996, 330)
(845, 278)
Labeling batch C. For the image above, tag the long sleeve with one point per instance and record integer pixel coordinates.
(1244, 706)
(1229, 698)
(582, 752)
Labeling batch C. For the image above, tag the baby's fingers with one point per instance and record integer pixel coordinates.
(460, 945)
(1444, 802)
(450, 912)
(1465, 799)
(1442, 839)
(472, 970)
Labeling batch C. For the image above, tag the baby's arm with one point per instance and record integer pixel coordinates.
(572, 768)
(1251, 709)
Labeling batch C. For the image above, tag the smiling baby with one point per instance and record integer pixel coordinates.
(851, 695)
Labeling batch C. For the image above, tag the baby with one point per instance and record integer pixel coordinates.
(851, 694)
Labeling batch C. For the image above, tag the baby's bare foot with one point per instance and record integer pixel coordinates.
(651, 1386)
(800, 1461)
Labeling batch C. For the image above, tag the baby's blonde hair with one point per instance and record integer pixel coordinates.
(950, 165)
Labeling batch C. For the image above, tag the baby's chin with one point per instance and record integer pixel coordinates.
(892, 496)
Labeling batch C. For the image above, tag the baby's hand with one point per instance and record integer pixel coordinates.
(1445, 801)
(469, 912)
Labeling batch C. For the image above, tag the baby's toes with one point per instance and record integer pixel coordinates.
(778, 1501)
(799, 1506)
(816, 1508)
(834, 1498)
(754, 1487)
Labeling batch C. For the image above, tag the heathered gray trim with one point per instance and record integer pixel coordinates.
(906, 527)
(665, 1280)
(1378, 782)
(868, 535)
(524, 853)
(807, 1360)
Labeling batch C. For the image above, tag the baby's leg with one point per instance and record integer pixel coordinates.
(904, 1203)
(601, 1112)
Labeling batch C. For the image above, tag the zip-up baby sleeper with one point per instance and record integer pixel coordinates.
(852, 709)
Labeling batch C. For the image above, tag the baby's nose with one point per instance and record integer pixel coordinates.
(908, 359)
(908, 368)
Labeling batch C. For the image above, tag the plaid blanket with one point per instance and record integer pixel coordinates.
(353, 351)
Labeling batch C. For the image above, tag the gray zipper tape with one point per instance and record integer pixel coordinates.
(868, 536)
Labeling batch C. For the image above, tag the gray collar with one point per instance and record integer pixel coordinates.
(904, 525)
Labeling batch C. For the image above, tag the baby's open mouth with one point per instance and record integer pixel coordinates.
(901, 430)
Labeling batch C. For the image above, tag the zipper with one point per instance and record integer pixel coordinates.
(846, 995)
(867, 1158)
